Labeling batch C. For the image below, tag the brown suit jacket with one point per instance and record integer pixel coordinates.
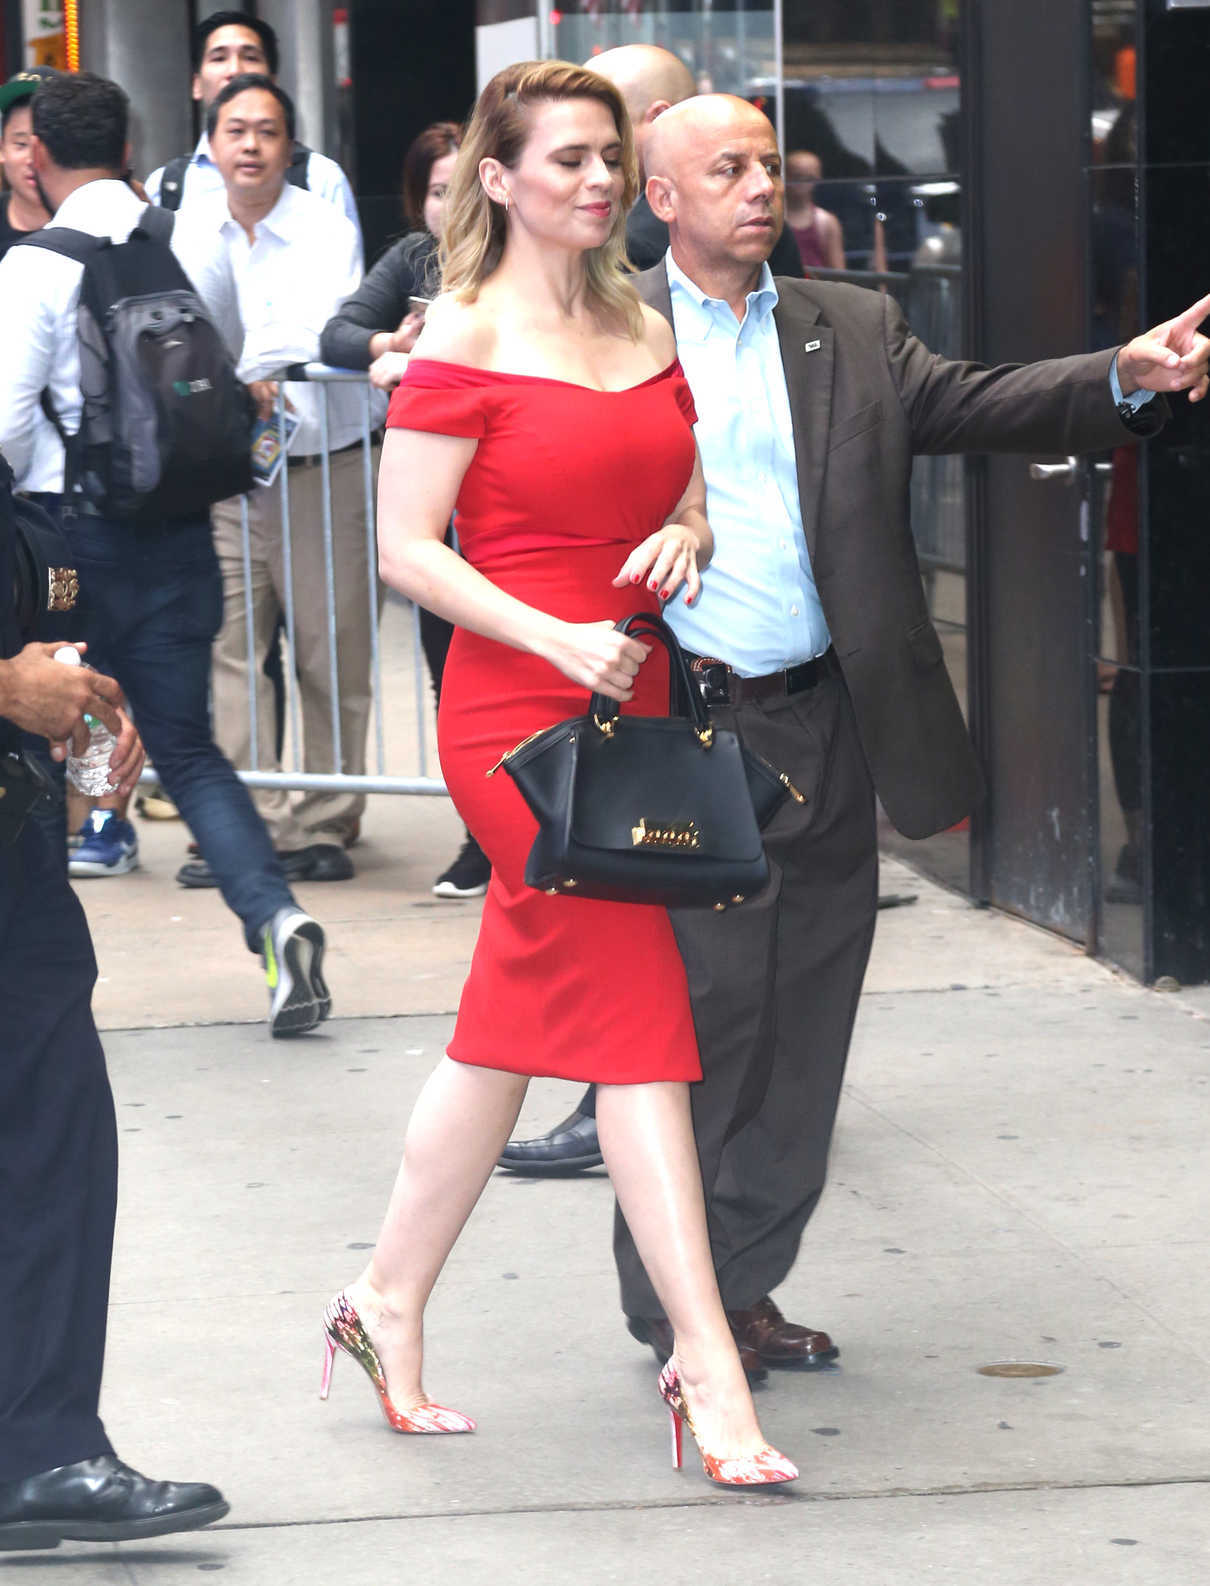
(864, 400)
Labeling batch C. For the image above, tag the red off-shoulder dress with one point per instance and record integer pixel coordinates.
(565, 481)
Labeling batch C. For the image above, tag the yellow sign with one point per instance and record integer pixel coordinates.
(45, 33)
(49, 50)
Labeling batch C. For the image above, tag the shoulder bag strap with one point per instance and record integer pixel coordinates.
(172, 183)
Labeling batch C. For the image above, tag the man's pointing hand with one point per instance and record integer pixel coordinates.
(1172, 357)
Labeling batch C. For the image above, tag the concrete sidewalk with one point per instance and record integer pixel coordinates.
(1019, 1176)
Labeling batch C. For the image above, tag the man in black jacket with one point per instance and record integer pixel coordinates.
(59, 1476)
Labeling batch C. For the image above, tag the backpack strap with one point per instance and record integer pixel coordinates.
(172, 183)
(71, 443)
(296, 175)
(77, 245)
(80, 246)
(156, 222)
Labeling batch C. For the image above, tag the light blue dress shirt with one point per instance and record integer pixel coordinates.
(1135, 400)
(759, 609)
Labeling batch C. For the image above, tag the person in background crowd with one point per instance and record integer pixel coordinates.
(812, 641)
(21, 207)
(651, 79)
(59, 1476)
(376, 329)
(151, 593)
(817, 231)
(102, 840)
(225, 45)
(293, 260)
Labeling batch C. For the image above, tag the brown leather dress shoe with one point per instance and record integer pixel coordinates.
(656, 1331)
(774, 1341)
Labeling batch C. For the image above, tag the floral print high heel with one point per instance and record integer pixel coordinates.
(344, 1329)
(748, 1470)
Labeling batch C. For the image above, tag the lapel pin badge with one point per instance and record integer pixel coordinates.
(812, 346)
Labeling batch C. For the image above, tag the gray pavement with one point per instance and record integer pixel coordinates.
(1020, 1175)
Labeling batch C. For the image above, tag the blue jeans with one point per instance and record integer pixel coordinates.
(153, 602)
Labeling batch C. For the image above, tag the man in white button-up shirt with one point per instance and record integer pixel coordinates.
(151, 591)
(293, 261)
(225, 44)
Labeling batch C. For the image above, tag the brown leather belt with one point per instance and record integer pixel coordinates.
(721, 686)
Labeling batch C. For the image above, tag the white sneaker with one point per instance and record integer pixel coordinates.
(293, 950)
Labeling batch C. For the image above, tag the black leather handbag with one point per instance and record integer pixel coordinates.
(647, 809)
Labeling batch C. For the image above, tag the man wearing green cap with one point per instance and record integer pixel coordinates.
(21, 207)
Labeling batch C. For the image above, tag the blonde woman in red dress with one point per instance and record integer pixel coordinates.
(546, 404)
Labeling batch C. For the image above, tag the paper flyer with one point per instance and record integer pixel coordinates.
(266, 447)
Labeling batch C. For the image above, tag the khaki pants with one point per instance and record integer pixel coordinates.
(299, 820)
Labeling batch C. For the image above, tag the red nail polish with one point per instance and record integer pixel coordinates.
(665, 593)
(636, 578)
(652, 584)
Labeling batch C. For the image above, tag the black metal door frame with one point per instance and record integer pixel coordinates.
(1033, 569)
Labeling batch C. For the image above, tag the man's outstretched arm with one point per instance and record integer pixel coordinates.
(1056, 405)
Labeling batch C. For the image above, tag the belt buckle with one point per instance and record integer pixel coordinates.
(713, 679)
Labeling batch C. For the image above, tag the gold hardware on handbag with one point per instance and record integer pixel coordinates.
(677, 834)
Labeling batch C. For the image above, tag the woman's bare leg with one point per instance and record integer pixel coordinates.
(459, 1125)
(646, 1134)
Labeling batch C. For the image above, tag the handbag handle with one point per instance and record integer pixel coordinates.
(683, 698)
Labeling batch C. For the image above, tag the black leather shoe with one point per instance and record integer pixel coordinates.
(298, 866)
(657, 1331)
(101, 1500)
(326, 862)
(570, 1147)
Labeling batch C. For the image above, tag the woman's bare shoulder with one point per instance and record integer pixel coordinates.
(456, 332)
(658, 336)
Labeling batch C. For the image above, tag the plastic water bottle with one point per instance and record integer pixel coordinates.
(89, 772)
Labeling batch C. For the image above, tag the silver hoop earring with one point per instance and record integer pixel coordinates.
(508, 202)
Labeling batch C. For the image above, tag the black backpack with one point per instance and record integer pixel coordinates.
(166, 427)
(172, 183)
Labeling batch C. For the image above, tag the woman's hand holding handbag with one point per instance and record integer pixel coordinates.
(647, 809)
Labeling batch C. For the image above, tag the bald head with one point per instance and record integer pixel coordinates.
(714, 178)
(649, 79)
(686, 130)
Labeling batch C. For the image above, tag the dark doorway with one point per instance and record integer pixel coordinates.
(413, 63)
(1032, 680)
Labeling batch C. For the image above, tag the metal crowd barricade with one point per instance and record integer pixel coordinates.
(378, 779)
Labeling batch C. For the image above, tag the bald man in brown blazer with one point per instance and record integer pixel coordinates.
(812, 400)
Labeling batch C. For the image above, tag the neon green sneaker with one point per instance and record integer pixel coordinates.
(292, 947)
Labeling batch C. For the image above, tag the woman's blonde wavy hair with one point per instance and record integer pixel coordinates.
(474, 228)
